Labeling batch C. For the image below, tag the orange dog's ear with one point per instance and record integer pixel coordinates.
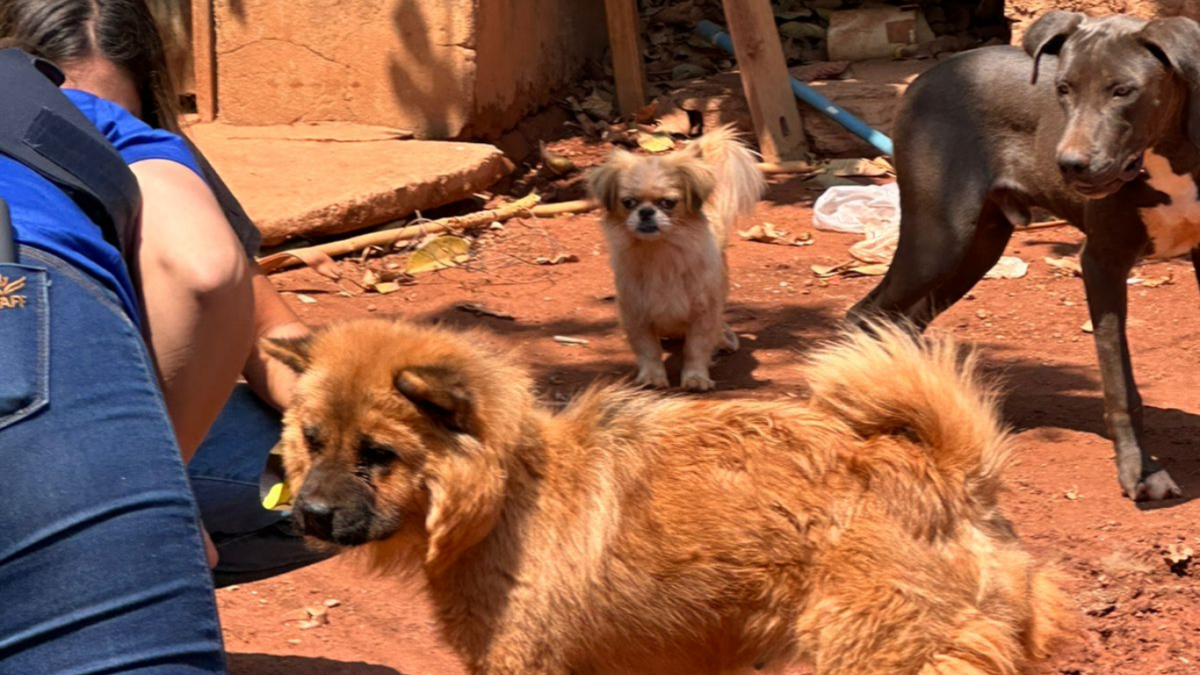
(295, 353)
(466, 483)
(440, 393)
(604, 182)
(466, 495)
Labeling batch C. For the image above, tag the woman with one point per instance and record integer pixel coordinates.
(121, 366)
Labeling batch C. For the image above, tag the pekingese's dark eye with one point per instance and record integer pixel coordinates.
(668, 204)
(629, 203)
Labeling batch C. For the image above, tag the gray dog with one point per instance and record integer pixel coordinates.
(1097, 121)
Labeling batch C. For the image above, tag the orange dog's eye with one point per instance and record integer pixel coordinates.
(312, 438)
(668, 204)
(629, 203)
(372, 453)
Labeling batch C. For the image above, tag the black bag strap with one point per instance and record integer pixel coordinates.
(42, 129)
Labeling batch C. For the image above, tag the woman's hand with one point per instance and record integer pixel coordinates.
(210, 549)
(270, 379)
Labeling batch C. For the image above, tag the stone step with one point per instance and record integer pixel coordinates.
(317, 180)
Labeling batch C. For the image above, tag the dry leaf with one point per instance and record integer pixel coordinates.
(684, 13)
(801, 30)
(566, 340)
(480, 310)
(687, 71)
(1008, 267)
(647, 113)
(822, 70)
(824, 271)
(765, 233)
(559, 165)
(309, 617)
(855, 167)
(1065, 266)
(1179, 556)
(558, 259)
(332, 602)
(1159, 281)
(825, 180)
(439, 253)
(1087, 326)
(597, 106)
(655, 142)
(867, 270)
(674, 120)
(1072, 494)
(383, 282)
(297, 615)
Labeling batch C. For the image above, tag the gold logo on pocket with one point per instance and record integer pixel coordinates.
(8, 293)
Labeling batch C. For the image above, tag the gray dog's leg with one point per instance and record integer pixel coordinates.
(1107, 293)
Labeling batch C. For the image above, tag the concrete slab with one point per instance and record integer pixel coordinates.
(324, 179)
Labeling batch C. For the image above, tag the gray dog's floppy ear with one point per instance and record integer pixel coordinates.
(1047, 35)
(1176, 42)
(295, 353)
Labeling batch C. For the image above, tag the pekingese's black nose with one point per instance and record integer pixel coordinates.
(646, 212)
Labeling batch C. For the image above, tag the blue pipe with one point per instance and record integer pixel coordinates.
(714, 34)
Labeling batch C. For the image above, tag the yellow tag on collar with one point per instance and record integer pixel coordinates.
(278, 497)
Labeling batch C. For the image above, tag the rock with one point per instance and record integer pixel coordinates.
(319, 180)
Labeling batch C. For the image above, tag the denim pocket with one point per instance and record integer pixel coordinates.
(24, 342)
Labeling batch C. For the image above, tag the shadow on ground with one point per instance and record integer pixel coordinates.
(1041, 396)
(761, 328)
(270, 664)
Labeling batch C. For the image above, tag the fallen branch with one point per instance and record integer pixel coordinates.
(795, 166)
(551, 210)
(393, 236)
(1043, 226)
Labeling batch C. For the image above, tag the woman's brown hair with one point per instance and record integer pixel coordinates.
(121, 31)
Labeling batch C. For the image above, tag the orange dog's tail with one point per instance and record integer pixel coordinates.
(883, 380)
(739, 182)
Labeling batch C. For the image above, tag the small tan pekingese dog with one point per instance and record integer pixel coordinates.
(667, 221)
(858, 531)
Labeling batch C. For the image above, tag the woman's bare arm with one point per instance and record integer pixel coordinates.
(196, 293)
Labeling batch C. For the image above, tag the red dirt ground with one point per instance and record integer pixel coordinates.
(1137, 616)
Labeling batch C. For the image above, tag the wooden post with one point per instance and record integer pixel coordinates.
(204, 56)
(765, 79)
(625, 40)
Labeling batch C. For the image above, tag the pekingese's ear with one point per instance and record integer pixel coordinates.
(698, 183)
(604, 182)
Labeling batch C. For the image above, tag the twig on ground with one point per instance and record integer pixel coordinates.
(391, 237)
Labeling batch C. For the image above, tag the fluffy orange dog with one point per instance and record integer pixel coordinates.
(667, 221)
(857, 532)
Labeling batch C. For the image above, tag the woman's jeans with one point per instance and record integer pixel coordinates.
(102, 569)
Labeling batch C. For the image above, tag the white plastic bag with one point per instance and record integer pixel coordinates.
(871, 210)
(858, 209)
(874, 211)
